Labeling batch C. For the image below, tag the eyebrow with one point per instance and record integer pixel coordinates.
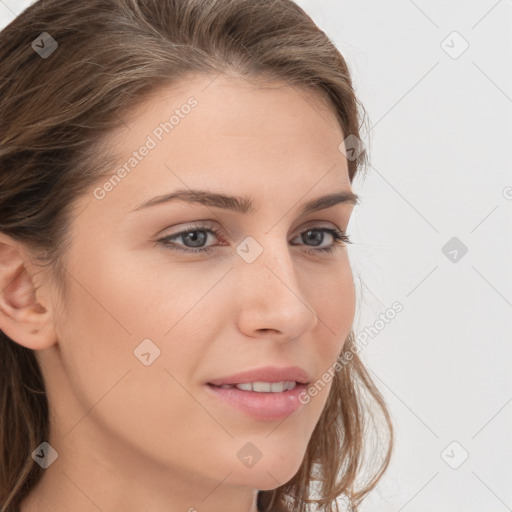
(243, 204)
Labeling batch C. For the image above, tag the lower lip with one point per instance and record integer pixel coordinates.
(263, 406)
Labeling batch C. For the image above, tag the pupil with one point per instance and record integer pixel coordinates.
(317, 237)
(196, 240)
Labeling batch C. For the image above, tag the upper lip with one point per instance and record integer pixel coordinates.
(265, 374)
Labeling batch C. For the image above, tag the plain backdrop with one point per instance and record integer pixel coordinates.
(433, 233)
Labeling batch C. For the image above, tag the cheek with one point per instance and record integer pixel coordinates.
(332, 296)
(114, 309)
(110, 310)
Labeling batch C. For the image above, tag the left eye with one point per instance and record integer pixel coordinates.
(198, 235)
(318, 235)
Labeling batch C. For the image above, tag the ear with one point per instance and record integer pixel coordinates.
(25, 310)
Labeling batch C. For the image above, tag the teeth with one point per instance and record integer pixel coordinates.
(267, 387)
(244, 387)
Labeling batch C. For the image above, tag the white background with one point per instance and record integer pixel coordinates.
(440, 152)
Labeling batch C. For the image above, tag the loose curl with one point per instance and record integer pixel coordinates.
(54, 113)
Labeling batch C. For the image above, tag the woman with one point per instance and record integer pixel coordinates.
(176, 295)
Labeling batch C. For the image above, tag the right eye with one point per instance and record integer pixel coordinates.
(190, 234)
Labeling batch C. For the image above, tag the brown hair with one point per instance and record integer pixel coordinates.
(54, 112)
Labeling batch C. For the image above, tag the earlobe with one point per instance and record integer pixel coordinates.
(22, 317)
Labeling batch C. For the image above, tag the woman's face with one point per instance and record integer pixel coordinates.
(147, 324)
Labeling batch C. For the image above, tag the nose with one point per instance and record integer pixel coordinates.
(269, 296)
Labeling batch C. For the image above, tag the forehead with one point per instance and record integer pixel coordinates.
(228, 134)
(230, 106)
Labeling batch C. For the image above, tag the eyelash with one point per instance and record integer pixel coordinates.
(340, 237)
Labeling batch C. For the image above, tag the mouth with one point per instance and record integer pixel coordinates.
(264, 401)
(265, 379)
(261, 386)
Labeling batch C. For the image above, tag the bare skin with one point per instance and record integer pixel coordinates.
(150, 438)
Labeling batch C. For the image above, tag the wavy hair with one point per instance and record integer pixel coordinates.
(54, 112)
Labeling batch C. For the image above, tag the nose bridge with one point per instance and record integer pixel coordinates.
(279, 266)
(272, 292)
(271, 258)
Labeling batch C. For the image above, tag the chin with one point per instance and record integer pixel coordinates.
(266, 475)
